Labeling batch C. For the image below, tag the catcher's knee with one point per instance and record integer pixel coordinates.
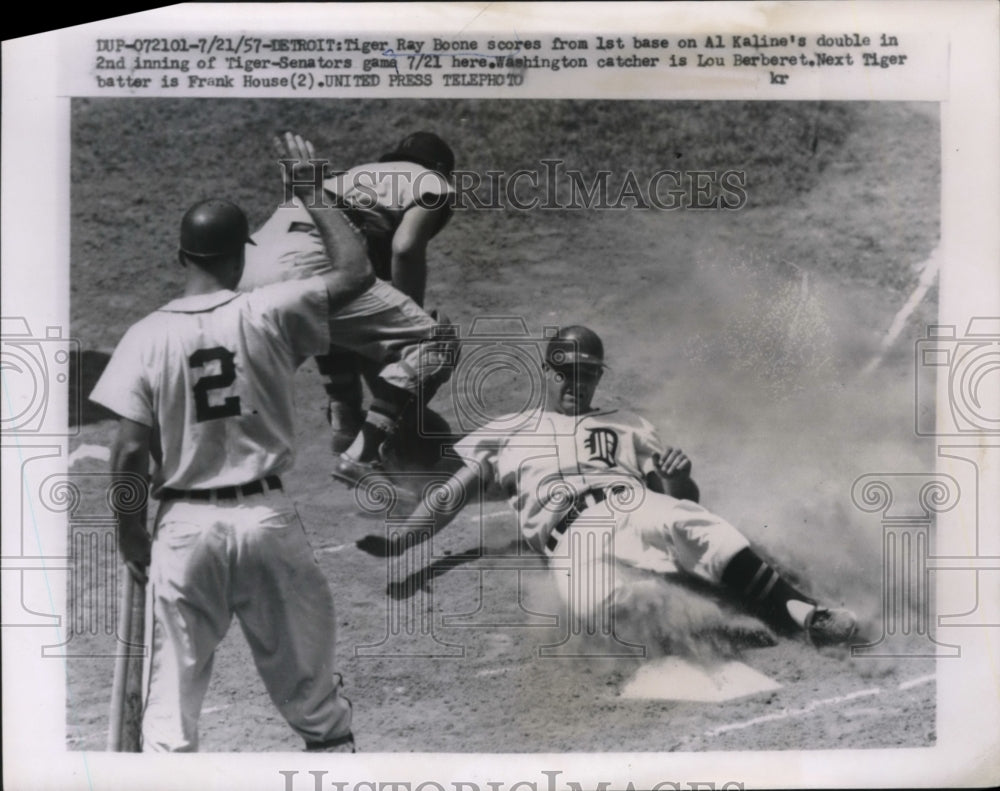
(424, 366)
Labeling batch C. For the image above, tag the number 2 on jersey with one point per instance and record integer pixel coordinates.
(205, 384)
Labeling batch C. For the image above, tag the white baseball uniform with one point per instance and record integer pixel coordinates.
(212, 376)
(589, 470)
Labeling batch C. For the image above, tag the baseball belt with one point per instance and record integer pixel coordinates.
(271, 482)
(580, 504)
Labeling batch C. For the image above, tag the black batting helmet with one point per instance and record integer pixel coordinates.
(575, 345)
(424, 148)
(214, 227)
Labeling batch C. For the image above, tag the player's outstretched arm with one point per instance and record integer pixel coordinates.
(351, 272)
(673, 475)
(437, 510)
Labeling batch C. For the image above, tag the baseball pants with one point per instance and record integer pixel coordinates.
(382, 324)
(248, 557)
(661, 534)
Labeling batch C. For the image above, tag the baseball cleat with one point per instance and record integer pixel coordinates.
(350, 471)
(341, 744)
(375, 490)
(825, 626)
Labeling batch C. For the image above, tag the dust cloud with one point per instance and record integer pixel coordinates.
(766, 396)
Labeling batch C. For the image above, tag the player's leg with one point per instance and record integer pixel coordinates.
(386, 326)
(345, 408)
(707, 546)
(190, 615)
(285, 609)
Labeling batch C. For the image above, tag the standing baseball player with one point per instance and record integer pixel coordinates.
(571, 463)
(204, 386)
(399, 203)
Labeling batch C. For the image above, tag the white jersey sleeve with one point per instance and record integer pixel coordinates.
(386, 189)
(287, 247)
(479, 449)
(297, 311)
(647, 445)
(124, 386)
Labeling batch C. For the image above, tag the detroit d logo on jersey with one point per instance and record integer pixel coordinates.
(601, 445)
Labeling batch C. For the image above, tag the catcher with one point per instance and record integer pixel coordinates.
(399, 204)
(571, 464)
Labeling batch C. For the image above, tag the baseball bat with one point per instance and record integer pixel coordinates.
(125, 727)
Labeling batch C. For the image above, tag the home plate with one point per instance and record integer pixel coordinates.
(673, 678)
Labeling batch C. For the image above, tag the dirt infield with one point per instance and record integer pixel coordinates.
(741, 334)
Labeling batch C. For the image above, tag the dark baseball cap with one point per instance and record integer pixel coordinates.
(214, 227)
(424, 148)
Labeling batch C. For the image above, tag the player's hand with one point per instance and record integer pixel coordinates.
(300, 176)
(673, 463)
(134, 545)
(379, 546)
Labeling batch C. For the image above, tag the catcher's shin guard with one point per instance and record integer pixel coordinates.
(379, 426)
(366, 453)
(344, 411)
